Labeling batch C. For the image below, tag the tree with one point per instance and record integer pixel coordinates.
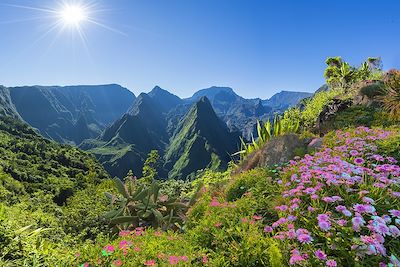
(151, 166)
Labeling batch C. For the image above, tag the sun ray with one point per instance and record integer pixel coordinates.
(69, 16)
(31, 8)
(106, 27)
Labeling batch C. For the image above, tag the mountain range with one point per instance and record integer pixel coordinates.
(120, 129)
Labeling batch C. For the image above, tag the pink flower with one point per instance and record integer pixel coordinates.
(150, 263)
(331, 263)
(257, 217)
(320, 254)
(109, 248)
(173, 260)
(218, 224)
(215, 203)
(124, 233)
(117, 263)
(305, 238)
(268, 229)
(359, 161)
(204, 259)
(296, 257)
(184, 258)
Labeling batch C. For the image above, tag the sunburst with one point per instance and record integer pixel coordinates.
(66, 15)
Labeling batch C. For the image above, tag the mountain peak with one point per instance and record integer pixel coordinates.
(212, 92)
(157, 89)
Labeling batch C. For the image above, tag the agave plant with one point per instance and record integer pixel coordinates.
(390, 98)
(142, 205)
(265, 132)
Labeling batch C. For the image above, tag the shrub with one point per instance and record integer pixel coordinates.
(231, 231)
(390, 147)
(371, 89)
(314, 106)
(142, 248)
(392, 79)
(257, 183)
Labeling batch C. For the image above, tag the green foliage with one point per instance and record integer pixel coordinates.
(392, 79)
(43, 165)
(391, 96)
(82, 214)
(229, 231)
(372, 90)
(275, 255)
(339, 74)
(142, 205)
(314, 106)
(361, 116)
(176, 188)
(49, 197)
(150, 167)
(266, 131)
(390, 146)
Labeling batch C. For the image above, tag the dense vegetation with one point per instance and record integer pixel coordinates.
(334, 205)
(47, 190)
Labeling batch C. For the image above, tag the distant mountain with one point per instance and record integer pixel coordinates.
(164, 99)
(124, 145)
(73, 113)
(120, 130)
(7, 107)
(285, 99)
(200, 141)
(239, 113)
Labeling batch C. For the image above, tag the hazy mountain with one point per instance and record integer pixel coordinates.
(7, 107)
(120, 130)
(200, 141)
(73, 113)
(285, 99)
(164, 99)
(237, 112)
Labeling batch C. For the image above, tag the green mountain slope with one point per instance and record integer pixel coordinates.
(240, 114)
(201, 140)
(7, 107)
(73, 113)
(124, 145)
(30, 163)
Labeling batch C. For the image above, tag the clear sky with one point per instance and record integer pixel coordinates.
(257, 47)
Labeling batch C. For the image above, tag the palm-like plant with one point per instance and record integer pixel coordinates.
(390, 98)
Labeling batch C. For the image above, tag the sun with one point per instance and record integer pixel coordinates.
(73, 15)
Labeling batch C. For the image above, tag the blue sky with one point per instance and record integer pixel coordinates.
(257, 47)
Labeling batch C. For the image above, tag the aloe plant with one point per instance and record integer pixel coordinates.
(265, 132)
(142, 205)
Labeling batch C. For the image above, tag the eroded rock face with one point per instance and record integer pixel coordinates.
(328, 113)
(278, 150)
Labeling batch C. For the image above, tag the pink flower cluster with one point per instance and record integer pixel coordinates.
(345, 191)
